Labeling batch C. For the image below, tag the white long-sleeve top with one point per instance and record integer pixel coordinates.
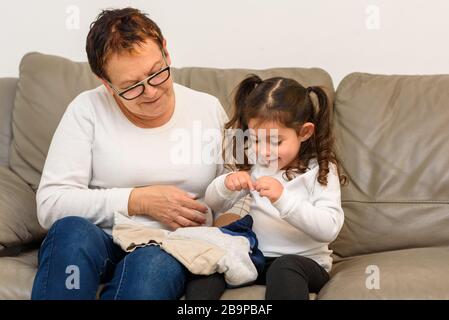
(97, 156)
(303, 221)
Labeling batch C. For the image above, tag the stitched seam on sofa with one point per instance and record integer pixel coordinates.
(398, 201)
(16, 250)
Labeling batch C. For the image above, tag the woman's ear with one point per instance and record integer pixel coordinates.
(307, 130)
(108, 87)
(167, 55)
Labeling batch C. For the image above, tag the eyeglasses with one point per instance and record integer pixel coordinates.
(138, 89)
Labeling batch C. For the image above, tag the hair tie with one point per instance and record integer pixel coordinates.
(313, 100)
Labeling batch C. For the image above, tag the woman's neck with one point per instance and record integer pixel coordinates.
(143, 121)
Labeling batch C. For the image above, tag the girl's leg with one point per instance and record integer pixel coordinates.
(292, 277)
(147, 273)
(74, 258)
(209, 287)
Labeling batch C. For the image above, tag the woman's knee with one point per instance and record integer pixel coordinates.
(151, 273)
(72, 234)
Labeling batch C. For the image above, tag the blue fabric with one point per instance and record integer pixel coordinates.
(74, 247)
(244, 227)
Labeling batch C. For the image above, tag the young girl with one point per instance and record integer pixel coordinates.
(293, 180)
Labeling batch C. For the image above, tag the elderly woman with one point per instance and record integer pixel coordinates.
(114, 152)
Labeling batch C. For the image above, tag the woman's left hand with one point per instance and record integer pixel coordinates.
(269, 187)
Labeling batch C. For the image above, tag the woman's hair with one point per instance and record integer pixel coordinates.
(285, 101)
(115, 31)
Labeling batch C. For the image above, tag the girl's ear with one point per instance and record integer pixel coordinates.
(306, 131)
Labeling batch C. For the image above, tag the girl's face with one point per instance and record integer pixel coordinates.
(275, 144)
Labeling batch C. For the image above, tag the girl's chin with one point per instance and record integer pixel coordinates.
(270, 163)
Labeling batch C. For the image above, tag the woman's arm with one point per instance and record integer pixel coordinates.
(321, 216)
(64, 186)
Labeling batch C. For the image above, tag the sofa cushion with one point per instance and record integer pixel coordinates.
(419, 273)
(47, 84)
(7, 94)
(17, 276)
(391, 134)
(18, 219)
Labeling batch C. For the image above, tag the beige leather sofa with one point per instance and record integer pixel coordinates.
(392, 136)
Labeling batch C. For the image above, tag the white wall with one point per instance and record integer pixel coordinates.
(340, 36)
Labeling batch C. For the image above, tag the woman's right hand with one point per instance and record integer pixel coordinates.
(239, 180)
(167, 204)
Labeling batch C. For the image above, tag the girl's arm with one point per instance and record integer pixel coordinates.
(321, 216)
(219, 198)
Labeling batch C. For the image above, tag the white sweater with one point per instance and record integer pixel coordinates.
(97, 156)
(303, 221)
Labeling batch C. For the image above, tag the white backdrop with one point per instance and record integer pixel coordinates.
(340, 36)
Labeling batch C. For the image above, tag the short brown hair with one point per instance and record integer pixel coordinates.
(115, 31)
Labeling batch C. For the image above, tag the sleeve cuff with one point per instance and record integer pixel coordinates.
(284, 203)
(224, 192)
(119, 200)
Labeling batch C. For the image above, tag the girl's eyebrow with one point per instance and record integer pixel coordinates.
(271, 137)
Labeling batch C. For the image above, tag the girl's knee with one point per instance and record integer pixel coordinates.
(287, 261)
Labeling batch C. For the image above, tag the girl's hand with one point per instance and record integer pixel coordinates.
(239, 180)
(269, 187)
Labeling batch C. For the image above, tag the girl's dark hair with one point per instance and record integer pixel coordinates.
(115, 31)
(288, 103)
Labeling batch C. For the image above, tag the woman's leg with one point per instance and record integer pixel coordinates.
(147, 273)
(209, 287)
(73, 259)
(292, 277)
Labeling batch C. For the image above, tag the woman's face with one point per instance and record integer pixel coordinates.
(128, 68)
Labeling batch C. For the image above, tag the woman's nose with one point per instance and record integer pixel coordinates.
(150, 91)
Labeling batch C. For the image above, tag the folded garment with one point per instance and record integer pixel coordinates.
(231, 250)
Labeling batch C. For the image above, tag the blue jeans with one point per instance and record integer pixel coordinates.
(76, 256)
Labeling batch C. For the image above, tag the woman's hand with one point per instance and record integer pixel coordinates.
(167, 204)
(239, 180)
(269, 187)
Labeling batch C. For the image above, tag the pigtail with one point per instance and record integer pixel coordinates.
(238, 122)
(323, 138)
(242, 92)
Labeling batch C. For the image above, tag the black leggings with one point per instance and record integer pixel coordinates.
(289, 277)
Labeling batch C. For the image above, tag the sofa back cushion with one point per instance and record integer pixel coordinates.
(47, 84)
(7, 94)
(222, 82)
(392, 137)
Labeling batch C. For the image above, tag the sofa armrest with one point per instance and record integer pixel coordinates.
(7, 94)
(19, 227)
